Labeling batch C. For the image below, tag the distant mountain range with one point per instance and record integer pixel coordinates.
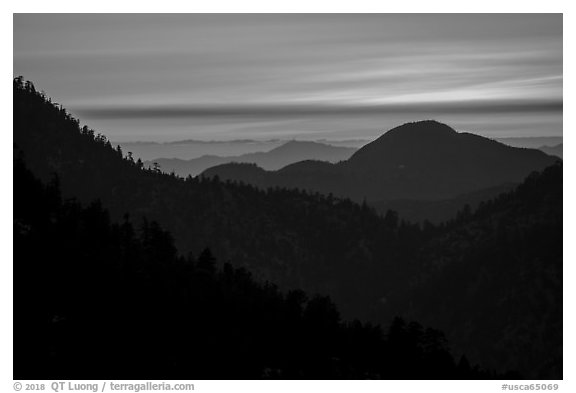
(333, 142)
(288, 153)
(192, 148)
(424, 160)
(552, 150)
(531, 142)
(220, 152)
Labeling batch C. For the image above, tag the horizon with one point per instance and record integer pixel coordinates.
(319, 140)
(193, 148)
(173, 77)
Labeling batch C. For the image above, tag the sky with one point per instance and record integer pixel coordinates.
(165, 77)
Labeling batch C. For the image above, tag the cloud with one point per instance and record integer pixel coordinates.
(290, 67)
(292, 111)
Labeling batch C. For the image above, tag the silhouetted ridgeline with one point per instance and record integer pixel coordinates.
(424, 160)
(425, 170)
(288, 153)
(457, 275)
(496, 279)
(438, 211)
(293, 238)
(98, 300)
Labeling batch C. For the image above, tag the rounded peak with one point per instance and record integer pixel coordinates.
(423, 128)
(309, 166)
(409, 140)
(233, 167)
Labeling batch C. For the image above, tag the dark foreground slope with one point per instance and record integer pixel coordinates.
(295, 239)
(439, 211)
(373, 267)
(98, 300)
(424, 160)
(493, 281)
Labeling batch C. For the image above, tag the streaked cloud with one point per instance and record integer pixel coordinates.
(108, 68)
(287, 111)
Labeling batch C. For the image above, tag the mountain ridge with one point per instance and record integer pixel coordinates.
(274, 159)
(556, 150)
(420, 160)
